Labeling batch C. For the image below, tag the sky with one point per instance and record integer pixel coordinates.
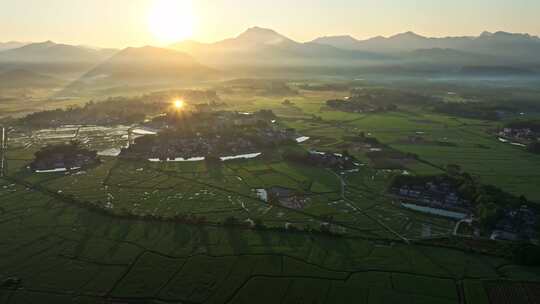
(121, 23)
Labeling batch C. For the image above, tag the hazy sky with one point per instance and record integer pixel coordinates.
(119, 23)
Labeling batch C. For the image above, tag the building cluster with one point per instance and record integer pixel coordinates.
(516, 225)
(63, 157)
(211, 120)
(519, 134)
(434, 194)
(218, 134)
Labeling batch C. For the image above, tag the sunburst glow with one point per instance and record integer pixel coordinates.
(178, 104)
(171, 20)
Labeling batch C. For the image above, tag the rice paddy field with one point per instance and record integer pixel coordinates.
(117, 232)
(52, 251)
(469, 141)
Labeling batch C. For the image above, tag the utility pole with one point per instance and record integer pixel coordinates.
(3, 151)
(131, 139)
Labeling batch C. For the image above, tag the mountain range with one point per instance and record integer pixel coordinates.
(4, 46)
(523, 47)
(55, 59)
(49, 51)
(265, 47)
(406, 52)
(260, 48)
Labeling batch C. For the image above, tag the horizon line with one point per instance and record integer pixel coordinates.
(277, 32)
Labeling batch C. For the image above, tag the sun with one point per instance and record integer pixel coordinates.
(178, 104)
(171, 20)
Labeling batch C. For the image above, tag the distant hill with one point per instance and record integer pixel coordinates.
(403, 42)
(53, 52)
(4, 46)
(149, 65)
(58, 60)
(16, 79)
(346, 42)
(265, 47)
(518, 47)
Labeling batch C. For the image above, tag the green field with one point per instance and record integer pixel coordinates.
(474, 148)
(129, 231)
(64, 253)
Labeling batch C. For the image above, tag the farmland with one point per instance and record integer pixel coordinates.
(129, 230)
(96, 256)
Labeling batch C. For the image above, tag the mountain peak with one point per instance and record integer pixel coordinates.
(261, 35)
(408, 35)
(486, 34)
(47, 43)
(338, 37)
(501, 35)
(260, 30)
(513, 35)
(343, 41)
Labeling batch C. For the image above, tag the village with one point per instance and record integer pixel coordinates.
(524, 134)
(202, 134)
(64, 157)
(520, 135)
(440, 198)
